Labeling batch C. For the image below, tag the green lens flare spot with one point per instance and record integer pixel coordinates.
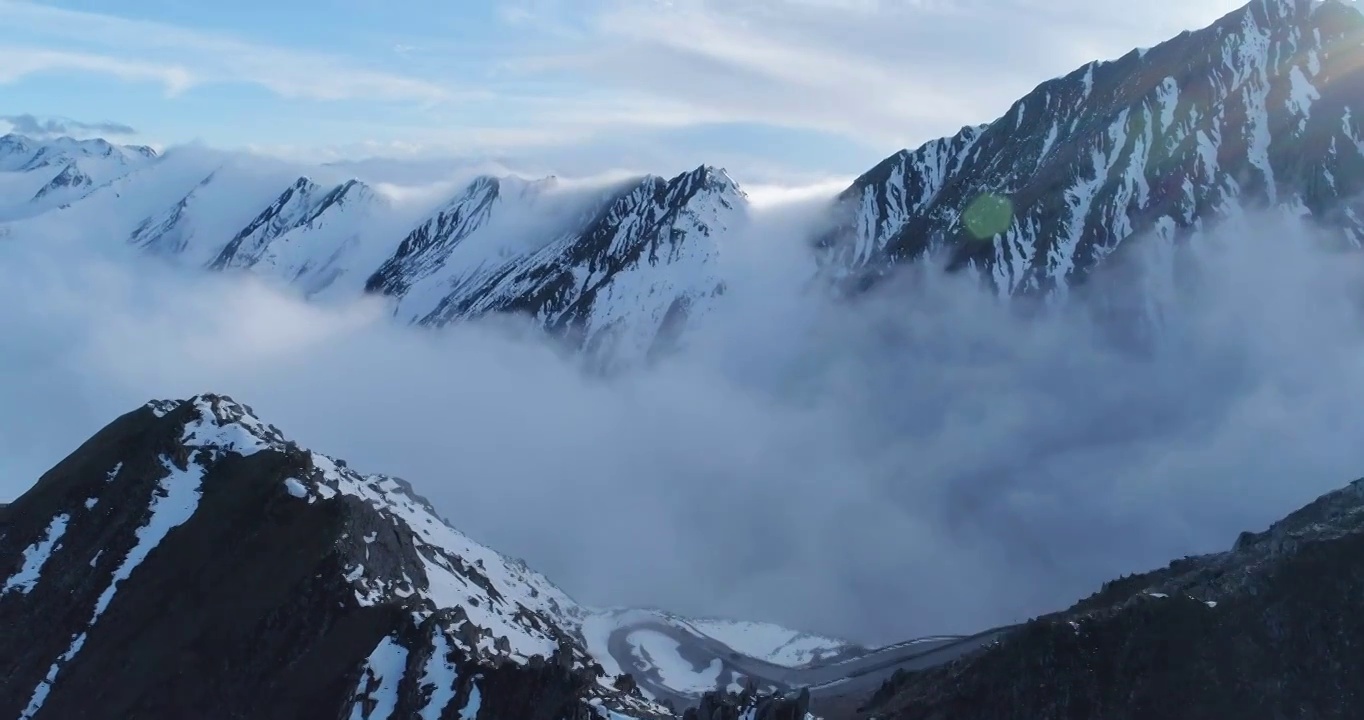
(988, 215)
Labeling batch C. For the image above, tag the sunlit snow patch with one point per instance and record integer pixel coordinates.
(36, 556)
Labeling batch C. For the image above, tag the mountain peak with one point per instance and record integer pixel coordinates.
(71, 176)
(12, 142)
(201, 493)
(189, 556)
(220, 424)
(1255, 110)
(713, 179)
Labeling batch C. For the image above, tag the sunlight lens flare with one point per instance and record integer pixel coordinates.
(988, 215)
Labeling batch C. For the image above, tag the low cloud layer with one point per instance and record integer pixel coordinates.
(926, 460)
(34, 126)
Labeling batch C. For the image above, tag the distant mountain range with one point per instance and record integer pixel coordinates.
(1257, 111)
(616, 268)
(190, 561)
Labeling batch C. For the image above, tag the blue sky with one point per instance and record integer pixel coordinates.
(772, 89)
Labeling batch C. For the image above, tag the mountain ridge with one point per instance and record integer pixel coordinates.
(1157, 143)
(1131, 155)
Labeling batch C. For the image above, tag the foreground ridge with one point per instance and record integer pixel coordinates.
(189, 561)
(1268, 629)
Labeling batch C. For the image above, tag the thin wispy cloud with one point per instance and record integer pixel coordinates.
(807, 85)
(180, 58)
(27, 124)
(20, 61)
(898, 72)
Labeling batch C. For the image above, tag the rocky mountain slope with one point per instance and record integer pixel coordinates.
(1262, 109)
(1269, 629)
(189, 561)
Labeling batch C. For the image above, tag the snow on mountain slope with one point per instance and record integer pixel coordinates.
(201, 494)
(316, 239)
(519, 611)
(625, 284)
(21, 154)
(617, 268)
(488, 226)
(190, 535)
(1261, 108)
(185, 205)
(38, 175)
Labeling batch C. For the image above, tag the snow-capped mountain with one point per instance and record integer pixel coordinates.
(1263, 108)
(192, 541)
(621, 269)
(617, 268)
(40, 175)
(313, 237)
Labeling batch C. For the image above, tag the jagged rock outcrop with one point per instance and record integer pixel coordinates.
(1262, 109)
(1269, 629)
(188, 561)
(748, 706)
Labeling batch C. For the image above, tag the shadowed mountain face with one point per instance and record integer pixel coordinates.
(188, 561)
(1269, 629)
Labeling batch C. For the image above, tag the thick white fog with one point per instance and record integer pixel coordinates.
(921, 461)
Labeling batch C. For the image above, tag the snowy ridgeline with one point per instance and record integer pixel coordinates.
(625, 255)
(1155, 145)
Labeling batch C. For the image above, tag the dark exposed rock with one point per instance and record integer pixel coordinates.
(626, 684)
(746, 706)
